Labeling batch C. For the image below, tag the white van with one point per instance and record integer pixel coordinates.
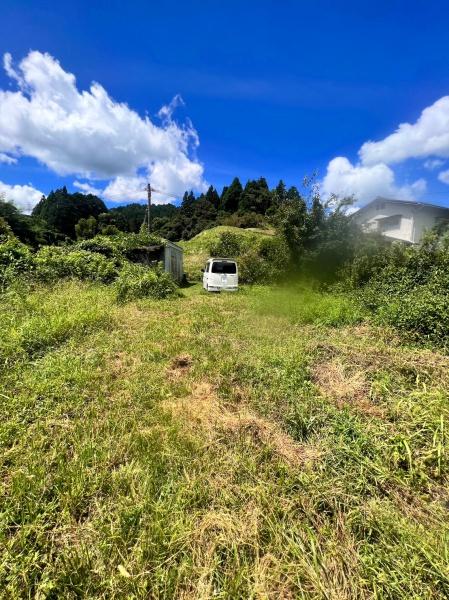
(220, 274)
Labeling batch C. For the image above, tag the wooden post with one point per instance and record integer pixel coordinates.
(149, 208)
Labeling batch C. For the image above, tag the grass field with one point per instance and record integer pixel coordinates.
(267, 444)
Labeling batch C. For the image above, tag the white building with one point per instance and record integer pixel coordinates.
(403, 220)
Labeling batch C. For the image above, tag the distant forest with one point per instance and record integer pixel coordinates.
(63, 215)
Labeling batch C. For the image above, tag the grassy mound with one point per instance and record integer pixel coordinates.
(196, 250)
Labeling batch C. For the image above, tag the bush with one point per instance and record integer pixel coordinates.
(265, 261)
(15, 261)
(53, 262)
(5, 230)
(228, 245)
(136, 281)
(406, 287)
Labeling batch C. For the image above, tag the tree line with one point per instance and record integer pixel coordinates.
(62, 214)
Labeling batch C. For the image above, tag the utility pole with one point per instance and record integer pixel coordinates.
(149, 208)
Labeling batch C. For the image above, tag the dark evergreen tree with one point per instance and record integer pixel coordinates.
(188, 201)
(231, 196)
(279, 193)
(213, 197)
(256, 197)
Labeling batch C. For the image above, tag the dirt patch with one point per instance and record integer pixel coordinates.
(179, 366)
(345, 386)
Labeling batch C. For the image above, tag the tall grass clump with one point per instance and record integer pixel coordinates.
(136, 281)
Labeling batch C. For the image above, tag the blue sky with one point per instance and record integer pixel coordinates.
(279, 89)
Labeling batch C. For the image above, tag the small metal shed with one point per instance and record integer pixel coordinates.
(174, 260)
(167, 253)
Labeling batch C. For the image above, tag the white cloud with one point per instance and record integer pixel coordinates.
(166, 112)
(444, 176)
(433, 163)
(366, 182)
(89, 134)
(87, 188)
(131, 188)
(429, 136)
(24, 197)
(9, 160)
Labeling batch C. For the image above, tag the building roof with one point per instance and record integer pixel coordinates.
(394, 201)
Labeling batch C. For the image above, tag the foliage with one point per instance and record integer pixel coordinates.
(244, 221)
(228, 245)
(29, 230)
(406, 286)
(5, 230)
(129, 218)
(322, 237)
(231, 196)
(15, 260)
(86, 228)
(264, 261)
(62, 210)
(120, 245)
(53, 263)
(136, 281)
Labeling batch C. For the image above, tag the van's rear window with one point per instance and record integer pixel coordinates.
(224, 267)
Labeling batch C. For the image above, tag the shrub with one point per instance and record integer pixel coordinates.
(136, 281)
(15, 260)
(264, 261)
(5, 230)
(53, 262)
(406, 287)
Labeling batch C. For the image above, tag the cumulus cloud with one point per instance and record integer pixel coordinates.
(429, 136)
(88, 134)
(24, 197)
(9, 160)
(372, 175)
(366, 182)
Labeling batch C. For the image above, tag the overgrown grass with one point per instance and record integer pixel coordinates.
(257, 445)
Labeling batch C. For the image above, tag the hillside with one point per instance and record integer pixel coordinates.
(196, 250)
(256, 445)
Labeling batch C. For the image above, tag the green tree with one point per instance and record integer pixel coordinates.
(213, 197)
(62, 210)
(231, 196)
(256, 197)
(86, 229)
(291, 220)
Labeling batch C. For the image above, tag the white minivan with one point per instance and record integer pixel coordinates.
(220, 274)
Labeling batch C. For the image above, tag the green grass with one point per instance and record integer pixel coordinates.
(196, 250)
(265, 444)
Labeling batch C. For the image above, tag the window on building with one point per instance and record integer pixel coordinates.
(389, 223)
